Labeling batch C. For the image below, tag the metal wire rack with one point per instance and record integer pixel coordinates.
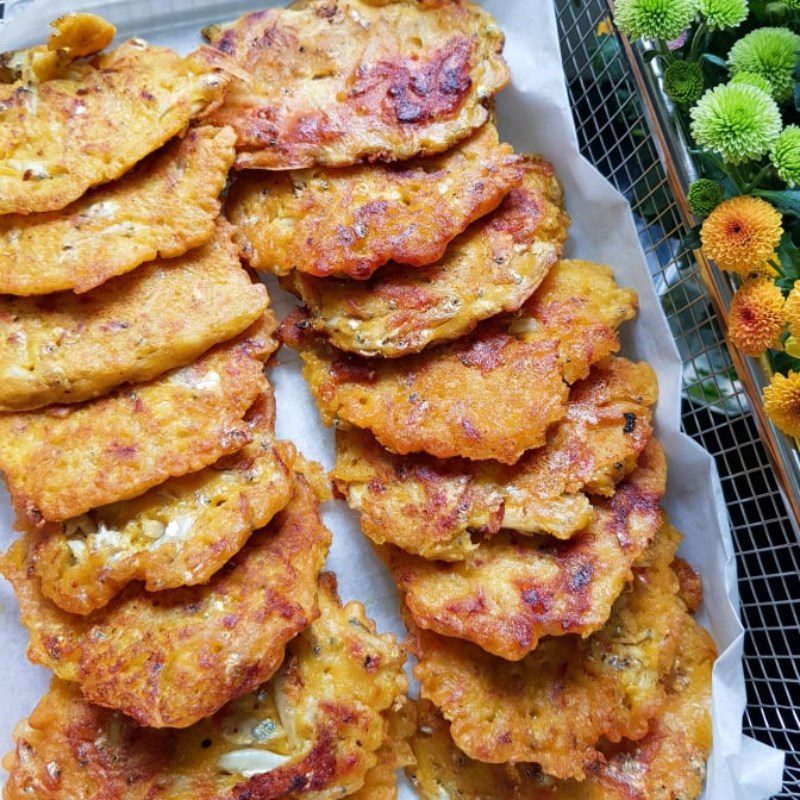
(615, 134)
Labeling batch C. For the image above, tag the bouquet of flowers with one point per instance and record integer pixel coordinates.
(732, 71)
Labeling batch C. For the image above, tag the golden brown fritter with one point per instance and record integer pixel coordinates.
(74, 36)
(669, 762)
(62, 461)
(311, 732)
(580, 304)
(164, 207)
(177, 534)
(429, 507)
(67, 349)
(170, 658)
(349, 222)
(334, 82)
(514, 589)
(555, 706)
(494, 267)
(492, 395)
(60, 137)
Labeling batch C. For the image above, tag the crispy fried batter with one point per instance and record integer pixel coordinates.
(429, 507)
(580, 304)
(312, 732)
(667, 763)
(337, 81)
(489, 396)
(63, 136)
(66, 349)
(513, 590)
(494, 267)
(170, 658)
(177, 534)
(349, 222)
(74, 36)
(165, 207)
(555, 705)
(493, 395)
(62, 461)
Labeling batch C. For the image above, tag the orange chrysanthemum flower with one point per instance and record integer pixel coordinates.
(782, 402)
(756, 317)
(742, 234)
(792, 310)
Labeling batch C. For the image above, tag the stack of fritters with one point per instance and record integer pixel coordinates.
(169, 567)
(498, 449)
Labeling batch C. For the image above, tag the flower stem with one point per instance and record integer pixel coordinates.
(697, 40)
(756, 182)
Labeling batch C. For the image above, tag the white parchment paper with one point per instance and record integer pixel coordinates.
(534, 115)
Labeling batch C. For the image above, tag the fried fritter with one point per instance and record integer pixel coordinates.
(669, 762)
(494, 267)
(66, 349)
(177, 534)
(429, 507)
(63, 136)
(555, 705)
(311, 732)
(165, 207)
(62, 461)
(514, 589)
(170, 658)
(349, 222)
(74, 36)
(492, 395)
(334, 82)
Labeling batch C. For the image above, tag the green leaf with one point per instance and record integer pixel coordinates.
(789, 255)
(692, 239)
(715, 60)
(782, 362)
(787, 202)
(650, 55)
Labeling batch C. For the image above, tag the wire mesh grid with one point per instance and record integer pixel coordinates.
(614, 134)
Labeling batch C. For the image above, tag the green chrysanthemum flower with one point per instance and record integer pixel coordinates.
(737, 121)
(704, 196)
(722, 14)
(657, 19)
(683, 82)
(795, 4)
(771, 52)
(785, 155)
(753, 79)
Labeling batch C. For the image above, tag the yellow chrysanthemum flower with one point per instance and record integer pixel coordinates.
(742, 234)
(756, 317)
(782, 402)
(792, 310)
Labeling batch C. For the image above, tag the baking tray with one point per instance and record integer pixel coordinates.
(623, 130)
(619, 126)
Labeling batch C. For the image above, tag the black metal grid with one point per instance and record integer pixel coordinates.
(614, 134)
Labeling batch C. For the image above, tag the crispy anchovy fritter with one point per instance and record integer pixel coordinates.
(429, 507)
(492, 395)
(514, 589)
(668, 762)
(177, 534)
(556, 705)
(62, 136)
(67, 349)
(59, 462)
(170, 658)
(494, 267)
(315, 731)
(164, 207)
(349, 222)
(334, 82)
